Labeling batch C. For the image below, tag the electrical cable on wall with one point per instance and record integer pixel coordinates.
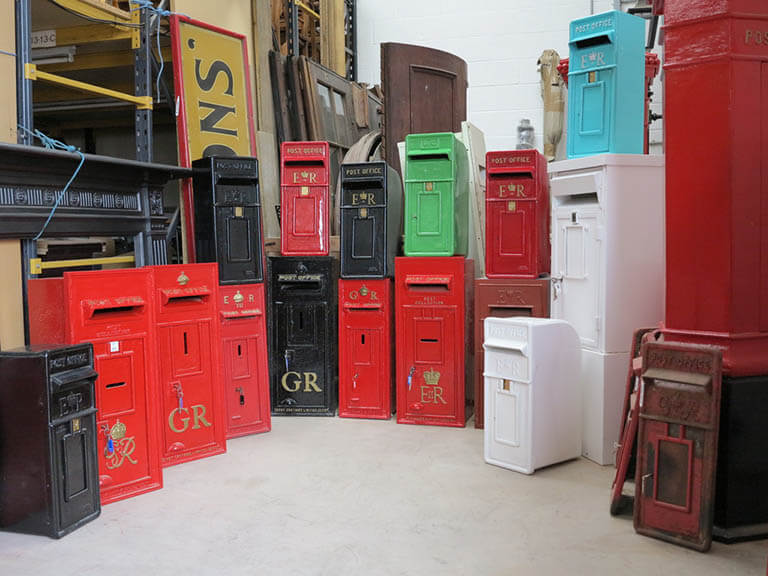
(53, 144)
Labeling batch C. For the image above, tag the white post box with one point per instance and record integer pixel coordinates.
(532, 402)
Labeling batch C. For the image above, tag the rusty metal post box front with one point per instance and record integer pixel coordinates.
(677, 443)
(244, 354)
(433, 322)
(371, 215)
(516, 214)
(49, 478)
(717, 173)
(365, 348)
(304, 199)
(189, 366)
(228, 217)
(503, 298)
(303, 335)
(112, 309)
(436, 195)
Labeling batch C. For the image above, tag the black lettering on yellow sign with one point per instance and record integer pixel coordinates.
(309, 380)
(206, 81)
(198, 416)
(432, 395)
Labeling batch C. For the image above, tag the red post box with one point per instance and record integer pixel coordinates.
(516, 214)
(677, 443)
(433, 325)
(503, 298)
(244, 349)
(365, 348)
(113, 310)
(716, 68)
(304, 199)
(193, 422)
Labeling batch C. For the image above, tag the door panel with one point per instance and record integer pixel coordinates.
(764, 200)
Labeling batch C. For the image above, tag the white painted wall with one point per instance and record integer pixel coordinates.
(500, 40)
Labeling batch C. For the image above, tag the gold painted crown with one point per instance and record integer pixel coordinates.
(432, 377)
(182, 279)
(238, 298)
(118, 431)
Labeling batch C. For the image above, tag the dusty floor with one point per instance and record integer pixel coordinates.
(333, 496)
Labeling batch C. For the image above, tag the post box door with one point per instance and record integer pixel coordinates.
(429, 218)
(239, 243)
(186, 386)
(73, 455)
(125, 416)
(764, 195)
(510, 410)
(511, 238)
(433, 387)
(361, 379)
(363, 240)
(578, 269)
(242, 357)
(594, 92)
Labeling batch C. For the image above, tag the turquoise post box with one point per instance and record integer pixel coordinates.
(436, 195)
(606, 84)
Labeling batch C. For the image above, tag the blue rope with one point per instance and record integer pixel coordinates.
(141, 4)
(53, 144)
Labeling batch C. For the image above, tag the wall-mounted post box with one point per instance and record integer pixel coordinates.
(436, 195)
(303, 335)
(228, 217)
(607, 252)
(503, 298)
(365, 348)
(677, 443)
(516, 214)
(189, 363)
(533, 416)
(371, 216)
(606, 85)
(244, 354)
(49, 478)
(112, 309)
(433, 325)
(304, 198)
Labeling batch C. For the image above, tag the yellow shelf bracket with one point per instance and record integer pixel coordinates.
(36, 265)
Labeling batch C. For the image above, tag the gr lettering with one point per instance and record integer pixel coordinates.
(309, 380)
(198, 417)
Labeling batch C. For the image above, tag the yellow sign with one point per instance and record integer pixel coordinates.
(215, 92)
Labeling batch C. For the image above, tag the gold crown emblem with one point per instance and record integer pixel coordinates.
(238, 298)
(118, 431)
(182, 279)
(432, 377)
(363, 291)
(305, 174)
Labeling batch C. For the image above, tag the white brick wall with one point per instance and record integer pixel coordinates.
(500, 40)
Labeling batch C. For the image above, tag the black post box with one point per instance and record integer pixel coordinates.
(228, 217)
(49, 479)
(303, 335)
(371, 217)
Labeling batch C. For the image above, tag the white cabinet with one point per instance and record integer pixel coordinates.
(532, 404)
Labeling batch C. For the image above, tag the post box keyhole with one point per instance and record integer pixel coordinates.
(239, 350)
(186, 349)
(362, 339)
(573, 217)
(301, 320)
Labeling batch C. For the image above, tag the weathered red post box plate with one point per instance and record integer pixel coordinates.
(677, 443)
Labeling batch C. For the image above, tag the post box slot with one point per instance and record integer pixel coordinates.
(115, 385)
(434, 340)
(596, 40)
(500, 174)
(114, 310)
(429, 284)
(416, 156)
(303, 163)
(297, 285)
(361, 307)
(672, 378)
(510, 311)
(71, 376)
(178, 300)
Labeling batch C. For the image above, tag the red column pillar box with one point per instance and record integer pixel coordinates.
(433, 320)
(516, 214)
(304, 199)
(716, 138)
(244, 355)
(187, 326)
(365, 348)
(503, 298)
(113, 310)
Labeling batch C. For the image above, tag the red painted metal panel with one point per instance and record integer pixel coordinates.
(365, 348)
(304, 199)
(187, 325)
(113, 310)
(716, 213)
(677, 443)
(503, 298)
(433, 302)
(244, 354)
(516, 214)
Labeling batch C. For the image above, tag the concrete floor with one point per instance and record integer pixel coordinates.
(333, 496)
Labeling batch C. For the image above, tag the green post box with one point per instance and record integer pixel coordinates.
(436, 195)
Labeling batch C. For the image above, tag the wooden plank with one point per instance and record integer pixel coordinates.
(11, 314)
(280, 95)
(332, 52)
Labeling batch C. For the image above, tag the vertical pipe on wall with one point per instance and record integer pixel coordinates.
(23, 85)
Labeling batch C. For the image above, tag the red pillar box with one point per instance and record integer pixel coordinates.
(244, 348)
(193, 422)
(503, 298)
(716, 138)
(365, 348)
(516, 214)
(304, 199)
(113, 310)
(433, 323)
